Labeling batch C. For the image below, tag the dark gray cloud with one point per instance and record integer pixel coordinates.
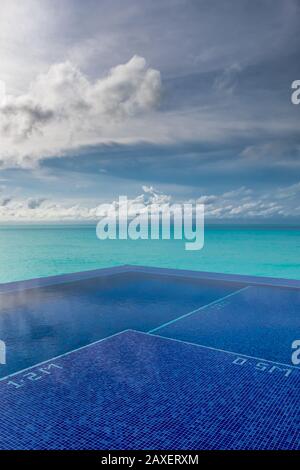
(214, 166)
(5, 201)
(23, 118)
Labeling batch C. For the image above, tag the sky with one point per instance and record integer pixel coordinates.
(188, 100)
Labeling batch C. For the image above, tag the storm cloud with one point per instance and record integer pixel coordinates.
(192, 97)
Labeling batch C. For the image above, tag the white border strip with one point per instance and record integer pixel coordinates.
(256, 281)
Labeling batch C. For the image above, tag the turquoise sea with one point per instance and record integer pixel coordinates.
(35, 251)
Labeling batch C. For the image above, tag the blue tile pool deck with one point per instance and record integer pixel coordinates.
(146, 358)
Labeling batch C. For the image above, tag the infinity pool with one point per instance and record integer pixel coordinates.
(220, 329)
(43, 322)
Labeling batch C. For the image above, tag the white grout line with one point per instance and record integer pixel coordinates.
(219, 350)
(61, 355)
(198, 309)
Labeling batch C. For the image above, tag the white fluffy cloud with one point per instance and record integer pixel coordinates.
(245, 203)
(241, 203)
(63, 109)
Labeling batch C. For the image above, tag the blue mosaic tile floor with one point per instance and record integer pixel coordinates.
(140, 391)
